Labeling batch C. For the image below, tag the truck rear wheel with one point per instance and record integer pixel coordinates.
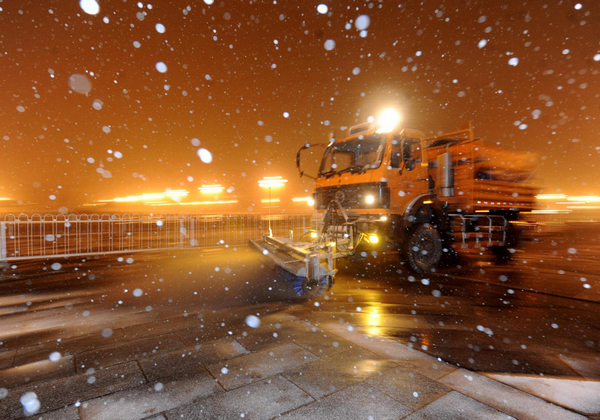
(422, 248)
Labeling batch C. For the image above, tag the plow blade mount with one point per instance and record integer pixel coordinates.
(313, 270)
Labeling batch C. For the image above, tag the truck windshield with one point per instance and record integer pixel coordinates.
(361, 154)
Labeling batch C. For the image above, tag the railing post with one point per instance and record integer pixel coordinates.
(181, 232)
(192, 234)
(2, 241)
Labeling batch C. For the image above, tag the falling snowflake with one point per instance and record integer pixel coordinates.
(362, 22)
(252, 321)
(322, 9)
(204, 155)
(91, 7)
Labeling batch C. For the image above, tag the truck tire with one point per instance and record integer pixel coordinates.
(503, 254)
(422, 248)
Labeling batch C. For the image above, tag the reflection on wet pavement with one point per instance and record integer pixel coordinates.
(536, 315)
(485, 317)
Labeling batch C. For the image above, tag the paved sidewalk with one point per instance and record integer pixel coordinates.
(196, 367)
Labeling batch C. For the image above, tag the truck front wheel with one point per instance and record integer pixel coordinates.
(503, 254)
(422, 248)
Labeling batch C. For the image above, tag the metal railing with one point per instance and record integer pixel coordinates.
(43, 236)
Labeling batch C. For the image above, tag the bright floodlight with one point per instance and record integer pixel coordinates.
(175, 195)
(373, 238)
(308, 200)
(388, 120)
(271, 182)
(211, 189)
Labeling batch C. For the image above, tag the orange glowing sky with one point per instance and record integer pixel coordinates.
(88, 113)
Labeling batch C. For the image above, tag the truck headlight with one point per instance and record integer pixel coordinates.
(369, 199)
(373, 238)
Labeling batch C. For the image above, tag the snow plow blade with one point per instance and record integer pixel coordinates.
(293, 257)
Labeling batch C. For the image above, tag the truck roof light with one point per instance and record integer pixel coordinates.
(388, 120)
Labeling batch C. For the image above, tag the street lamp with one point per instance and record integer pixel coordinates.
(271, 182)
(211, 189)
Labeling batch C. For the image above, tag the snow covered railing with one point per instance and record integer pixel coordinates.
(43, 236)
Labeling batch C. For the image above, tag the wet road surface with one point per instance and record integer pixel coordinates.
(538, 313)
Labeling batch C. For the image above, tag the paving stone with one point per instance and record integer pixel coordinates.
(37, 371)
(135, 350)
(67, 391)
(504, 361)
(433, 368)
(283, 325)
(256, 366)
(270, 321)
(265, 337)
(159, 328)
(6, 358)
(305, 335)
(262, 400)
(67, 347)
(587, 365)
(146, 400)
(321, 343)
(194, 336)
(420, 362)
(455, 406)
(357, 402)
(458, 322)
(212, 350)
(337, 372)
(461, 339)
(577, 394)
(398, 321)
(539, 343)
(183, 364)
(68, 413)
(38, 333)
(410, 388)
(504, 398)
(231, 323)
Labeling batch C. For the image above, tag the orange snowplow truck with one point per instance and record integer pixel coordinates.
(425, 195)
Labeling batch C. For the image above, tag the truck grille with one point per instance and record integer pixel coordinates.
(353, 196)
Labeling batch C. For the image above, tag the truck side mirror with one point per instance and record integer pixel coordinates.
(305, 149)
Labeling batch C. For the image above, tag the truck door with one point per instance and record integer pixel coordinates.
(408, 177)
